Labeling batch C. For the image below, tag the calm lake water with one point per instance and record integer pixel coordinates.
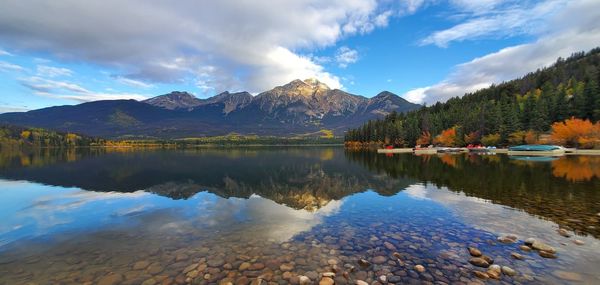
(271, 215)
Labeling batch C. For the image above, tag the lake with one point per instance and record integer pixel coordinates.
(277, 215)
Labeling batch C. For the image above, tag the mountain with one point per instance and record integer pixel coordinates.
(297, 108)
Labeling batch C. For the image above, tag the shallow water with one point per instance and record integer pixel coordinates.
(239, 215)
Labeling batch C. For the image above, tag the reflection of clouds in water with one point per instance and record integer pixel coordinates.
(258, 217)
(416, 191)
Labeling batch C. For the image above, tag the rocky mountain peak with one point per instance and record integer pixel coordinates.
(174, 100)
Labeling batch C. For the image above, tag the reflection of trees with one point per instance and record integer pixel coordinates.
(577, 168)
(302, 178)
(531, 186)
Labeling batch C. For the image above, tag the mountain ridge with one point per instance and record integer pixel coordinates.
(295, 108)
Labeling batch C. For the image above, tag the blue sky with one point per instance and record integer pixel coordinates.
(68, 52)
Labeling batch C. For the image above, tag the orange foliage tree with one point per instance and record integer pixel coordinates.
(576, 132)
(424, 139)
(472, 138)
(447, 137)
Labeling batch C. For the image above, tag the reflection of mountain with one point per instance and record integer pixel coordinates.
(540, 188)
(306, 178)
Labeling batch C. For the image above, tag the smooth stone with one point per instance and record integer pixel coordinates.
(215, 262)
(529, 241)
(566, 275)
(488, 259)
(244, 266)
(508, 271)
(141, 265)
(516, 256)
(389, 246)
(525, 248)
(150, 281)
(564, 233)
(286, 267)
(304, 280)
(360, 282)
(326, 281)
(154, 268)
(379, 259)
(383, 278)
(493, 274)
(190, 268)
(474, 252)
(313, 275)
(286, 275)
(111, 279)
(397, 255)
(578, 242)
(243, 280)
(547, 254)
(495, 267)
(480, 275)
(507, 239)
(332, 261)
(478, 261)
(542, 246)
(328, 274)
(257, 266)
(364, 263)
(419, 268)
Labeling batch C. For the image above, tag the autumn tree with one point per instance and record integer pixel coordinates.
(572, 131)
(447, 137)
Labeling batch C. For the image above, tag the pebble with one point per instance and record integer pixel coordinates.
(360, 282)
(215, 262)
(286, 267)
(493, 274)
(508, 271)
(537, 245)
(480, 275)
(326, 281)
(474, 252)
(383, 279)
(111, 279)
(529, 241)
(525, 248)
(517, 256)
(328, 274)
(304, 280)
(244, 266)
(141, 265)
(379, 259)
(564, 233)
(547, 254)
(389, 246)
(478, 261)
(364, 263)
(578, 242)
(507, 239)
(419, 268)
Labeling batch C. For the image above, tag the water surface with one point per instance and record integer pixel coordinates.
(121, 216)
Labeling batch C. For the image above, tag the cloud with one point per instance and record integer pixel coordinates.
(51, 71)
(566, 35)
(3, 52)
(9, 67)
(132, 82)
(157, 41)
(71, 91)
(345, 56)
(486, 19)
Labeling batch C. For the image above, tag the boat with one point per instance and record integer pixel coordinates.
(477, 148)
(534, 158)
(536, 150)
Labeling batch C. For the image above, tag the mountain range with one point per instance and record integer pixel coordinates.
(297, 108)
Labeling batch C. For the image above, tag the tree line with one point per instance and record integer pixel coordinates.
(518, 111)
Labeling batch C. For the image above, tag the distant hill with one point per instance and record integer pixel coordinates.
(297, 108)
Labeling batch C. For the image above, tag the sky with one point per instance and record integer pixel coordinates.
(69, 51)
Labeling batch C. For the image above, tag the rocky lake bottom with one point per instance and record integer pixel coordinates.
(293, 216)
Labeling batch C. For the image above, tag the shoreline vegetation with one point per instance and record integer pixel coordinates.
(14, 137)
(559, 105)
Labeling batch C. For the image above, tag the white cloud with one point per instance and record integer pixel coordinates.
(71, 91)
(3, 52)
(51, 71)
(566, 35)
(133, 82)
(488, 20)
(345, 56)
(8, 67)
(157, 41)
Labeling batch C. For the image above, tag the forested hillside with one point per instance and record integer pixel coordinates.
(514, 112)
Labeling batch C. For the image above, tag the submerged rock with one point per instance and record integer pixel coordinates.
(419, 268)
(508, 271)
(111, 279)
(547, 254)
(480, 275)
(478, 261)
(529, 241)
(517, 256)
(379, 259)
(474, 252)
(537, 245)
